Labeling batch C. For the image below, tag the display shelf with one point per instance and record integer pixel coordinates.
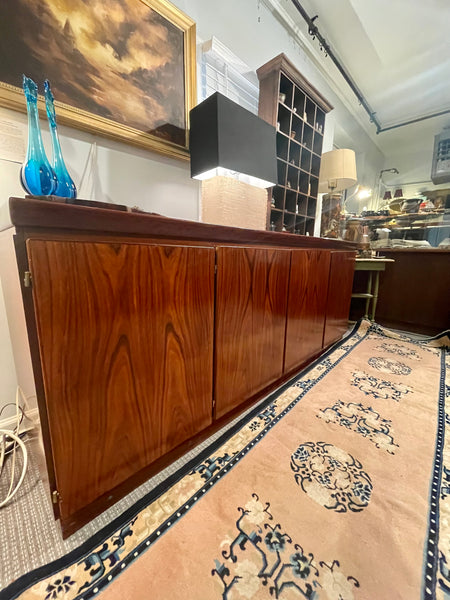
(311, 207)
(315, 165)
(317, 144)
(290, 201)
(302, 203)
(305, 161)
(431, 226)
(405, 219)
(297, 110)
(282, 146)
(309, 226)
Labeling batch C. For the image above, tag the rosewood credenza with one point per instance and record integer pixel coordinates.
(148, 333)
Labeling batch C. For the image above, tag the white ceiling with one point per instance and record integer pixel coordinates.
(398, 54)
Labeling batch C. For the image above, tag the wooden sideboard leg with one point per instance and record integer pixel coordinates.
(369, 295)
(375, 295)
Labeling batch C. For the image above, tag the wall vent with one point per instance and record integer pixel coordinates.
(440, 169)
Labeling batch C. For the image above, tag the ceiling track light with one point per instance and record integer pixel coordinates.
(314, 32)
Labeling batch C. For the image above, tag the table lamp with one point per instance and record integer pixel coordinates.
(337, 171)
(233, 153)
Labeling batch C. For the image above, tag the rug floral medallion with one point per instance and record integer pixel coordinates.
(337, 488)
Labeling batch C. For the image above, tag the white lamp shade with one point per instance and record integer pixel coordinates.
(337, 171)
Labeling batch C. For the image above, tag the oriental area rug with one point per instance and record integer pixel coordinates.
(336, 488)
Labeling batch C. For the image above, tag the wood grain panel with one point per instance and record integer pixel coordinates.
(251, 300)
(27, 297)
(339, 296)
(38, 215)
(307, 302)
(126, 342)
(414, 292)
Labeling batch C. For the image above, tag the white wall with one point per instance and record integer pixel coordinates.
(126, 175)
(8, 376)
(117, 173)
(120, 174)
(251, 31)
(15, 360)
(413, 156)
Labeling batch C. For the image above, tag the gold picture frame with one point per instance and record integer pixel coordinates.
(167, 20)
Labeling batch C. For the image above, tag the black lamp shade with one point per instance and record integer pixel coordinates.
(224, 134)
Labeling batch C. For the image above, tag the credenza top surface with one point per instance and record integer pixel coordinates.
(41, 216)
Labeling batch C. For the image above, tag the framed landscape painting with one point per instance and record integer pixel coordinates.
(124, 69)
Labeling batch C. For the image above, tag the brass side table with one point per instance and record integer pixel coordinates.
(373, 266)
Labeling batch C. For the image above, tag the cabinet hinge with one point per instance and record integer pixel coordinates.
(55, 497)
(215, 269)
(27, 279)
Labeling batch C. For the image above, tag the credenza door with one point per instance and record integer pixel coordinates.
(308, 289)
(126, 344)
(251, 300)
(339, 295)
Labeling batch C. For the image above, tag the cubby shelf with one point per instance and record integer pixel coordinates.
(297, 110)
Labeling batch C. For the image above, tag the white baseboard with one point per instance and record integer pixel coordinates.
(27, 423)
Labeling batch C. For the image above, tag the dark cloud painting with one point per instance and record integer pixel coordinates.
(118, 59)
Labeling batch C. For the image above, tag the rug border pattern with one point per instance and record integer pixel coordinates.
(432, 540)
(322, 366)
(26, 581)
(102, 583)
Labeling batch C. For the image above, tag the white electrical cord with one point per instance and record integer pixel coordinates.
(17, 442)
(12, 448)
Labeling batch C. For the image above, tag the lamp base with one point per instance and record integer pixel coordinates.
(233, 203)
(331, 218)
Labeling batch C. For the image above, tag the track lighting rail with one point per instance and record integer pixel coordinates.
(324, 46)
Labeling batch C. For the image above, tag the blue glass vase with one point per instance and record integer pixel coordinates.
(36, 175)
(65, 186)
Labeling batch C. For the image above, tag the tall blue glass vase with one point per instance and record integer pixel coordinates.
(65, 185)
(36, 175)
